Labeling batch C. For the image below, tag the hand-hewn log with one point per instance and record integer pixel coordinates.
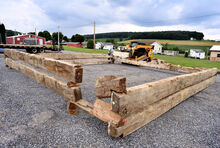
(102, 110)
(71, 108)
(72, 72)
(122, 55)
(73, 93)
(91, 62)
(160, 65)
(67, 56)
(104, 86)
(138, 119)
(150, 93)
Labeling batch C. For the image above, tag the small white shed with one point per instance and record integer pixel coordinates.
(108, 46)
(197, 53)
(99, 45)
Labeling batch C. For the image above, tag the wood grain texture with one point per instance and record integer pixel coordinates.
(138, 119)
(67, 56)
(71, 72)
(91, 62)
(56, 85)
(165, 66)
(141, 96)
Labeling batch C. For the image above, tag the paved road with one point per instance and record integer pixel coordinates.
(32, 115)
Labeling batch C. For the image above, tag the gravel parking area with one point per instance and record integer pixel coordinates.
(32, 115)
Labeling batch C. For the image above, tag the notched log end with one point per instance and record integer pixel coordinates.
(105, 85)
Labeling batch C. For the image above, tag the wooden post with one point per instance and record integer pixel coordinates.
(94, 36)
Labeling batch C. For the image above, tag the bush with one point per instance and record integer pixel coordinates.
(90, 44)
(186, 54)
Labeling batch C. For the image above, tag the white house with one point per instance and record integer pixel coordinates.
(108, 46)
(99, 45)
(157, 46)
(197, 53)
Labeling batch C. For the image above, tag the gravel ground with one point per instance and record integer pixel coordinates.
(32, 115)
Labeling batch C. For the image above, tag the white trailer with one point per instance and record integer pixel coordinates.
(197, 53)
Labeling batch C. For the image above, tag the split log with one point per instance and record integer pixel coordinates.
(102, 110)
(72, 72)
(73, 94)
(150, 93)
(91, 62)
(138, 119)
(160, 65)
(104, 86)
(67, 56)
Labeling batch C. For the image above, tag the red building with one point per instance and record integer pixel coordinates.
(19, 39)
(73, 44)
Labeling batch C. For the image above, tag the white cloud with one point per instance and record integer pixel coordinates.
(23, 15)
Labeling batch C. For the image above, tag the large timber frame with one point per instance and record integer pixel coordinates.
(126, 112)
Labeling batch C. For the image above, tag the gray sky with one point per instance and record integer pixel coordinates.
(77, 16)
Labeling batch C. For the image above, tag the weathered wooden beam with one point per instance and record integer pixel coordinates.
(138, 119)
(91, 62)
(141, 96)
(73, 94)
(67, 56)
(102, 110)
(105, 85)
(71, 108)
(160, 65)
(71, 72)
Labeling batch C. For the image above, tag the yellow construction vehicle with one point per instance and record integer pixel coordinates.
(139, 51)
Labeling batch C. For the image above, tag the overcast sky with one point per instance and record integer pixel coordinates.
(77, 16)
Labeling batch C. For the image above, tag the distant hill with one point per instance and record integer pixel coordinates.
(169, 35)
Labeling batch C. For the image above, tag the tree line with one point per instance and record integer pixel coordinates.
(46, 34)
(170, 35)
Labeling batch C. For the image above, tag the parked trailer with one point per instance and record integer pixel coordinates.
(30, 48)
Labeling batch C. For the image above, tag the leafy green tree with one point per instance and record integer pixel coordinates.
(110, 41)
(65, 38)
(2, 34)
(31, 33)
(90, 44)
(73, 38)
(12, 33)
(55, 37)
(77, 38)
(46, 34)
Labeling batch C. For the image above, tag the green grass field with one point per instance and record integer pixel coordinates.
(85, 50)
(188, 62)
(187, 47)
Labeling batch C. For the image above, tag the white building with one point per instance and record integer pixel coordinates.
(99, 45)
(108, 46)
(197, 53)
(157, 46)
(171, 52)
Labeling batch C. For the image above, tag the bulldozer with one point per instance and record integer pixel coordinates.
(139, 51)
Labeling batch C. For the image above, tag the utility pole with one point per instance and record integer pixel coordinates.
(94, 37)
(58, 37)
(36, 35)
